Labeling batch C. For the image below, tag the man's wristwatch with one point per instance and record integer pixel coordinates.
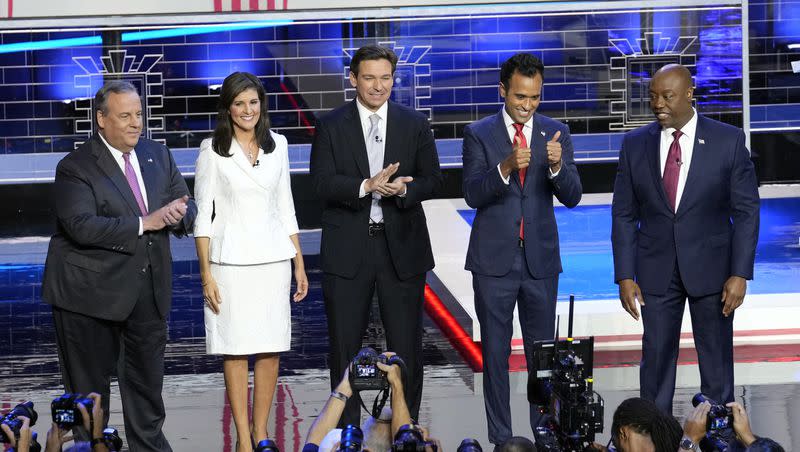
(687, 443)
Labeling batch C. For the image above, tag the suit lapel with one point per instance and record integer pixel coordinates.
(149, 175)
(653, 150)
(395, 125)
(500, 136)
(538, 150)
(699, 161)
(110, 167)
(241, 161)
(354, 137)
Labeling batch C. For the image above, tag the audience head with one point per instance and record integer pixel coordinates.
(518, 444)
(639, 425)
(378, 432)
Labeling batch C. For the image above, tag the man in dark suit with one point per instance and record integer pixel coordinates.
(514, 163)
(685, 225)
(108, 273)
(372, 163)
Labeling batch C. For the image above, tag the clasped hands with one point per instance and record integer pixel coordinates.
(168, 215)
(380, 184)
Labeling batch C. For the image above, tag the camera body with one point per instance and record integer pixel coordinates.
(364, 372)
(112, 439)
(267, 445)
(65, 409)
(719, 417)
(561, 385)
(12, 420)
(409, 439)
(352, 438)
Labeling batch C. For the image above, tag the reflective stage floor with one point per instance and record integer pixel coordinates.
(767, 337)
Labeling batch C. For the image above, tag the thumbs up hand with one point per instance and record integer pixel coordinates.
(554, 152)
(519, 158)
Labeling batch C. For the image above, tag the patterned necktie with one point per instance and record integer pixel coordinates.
(130, 175)
(375, 154)
(523, 143)
(672, 169)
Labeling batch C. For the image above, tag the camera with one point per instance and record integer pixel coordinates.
(719, 416)
(352, 438)
(12, 420)
(469, 445)
(364, 372)
(267, 445)
(560, 383)
(111, 439)
(409, 439)
(65, 409)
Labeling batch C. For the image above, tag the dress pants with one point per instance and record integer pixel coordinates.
(713, 339)
(495, 298)
(347, 305)
(91, 350)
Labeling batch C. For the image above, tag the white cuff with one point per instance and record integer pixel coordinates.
(506, 180)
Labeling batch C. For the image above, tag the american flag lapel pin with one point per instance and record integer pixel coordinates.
(701, 141)
(542, 133)
(149, 160)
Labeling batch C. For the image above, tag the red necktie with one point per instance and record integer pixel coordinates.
(672, 169)
(523, 143)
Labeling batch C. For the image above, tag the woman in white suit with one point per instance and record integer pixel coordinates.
(242, 181)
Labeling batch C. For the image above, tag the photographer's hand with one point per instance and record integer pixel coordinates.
(695, 426)
(741, 424)
(400, 414)
(94, 423)
(56, 438)
(23, 443)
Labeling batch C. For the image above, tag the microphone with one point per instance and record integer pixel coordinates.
(678, 162)
(378, 139)
(257, 163)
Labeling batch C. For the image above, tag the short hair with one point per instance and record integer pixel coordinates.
(372, 52)
(642, 416)
(518, 444)
(108, 88)
(764, 445)
(378, 432)
(524, 63)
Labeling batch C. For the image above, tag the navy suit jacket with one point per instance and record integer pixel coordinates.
(96, 259)
(713, 234)
(339, 163)
(495, 231)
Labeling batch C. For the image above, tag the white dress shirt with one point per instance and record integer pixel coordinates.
(527, 130)
(687, 147)
(118, 157)
(364, 113)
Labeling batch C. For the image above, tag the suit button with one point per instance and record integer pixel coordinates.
(144, 270)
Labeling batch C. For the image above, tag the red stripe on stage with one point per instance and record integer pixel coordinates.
(285, 4)
(254, 5)
(459, 339)
(236, 5)
(217, 6)
(10, 9)
(270, 4)
(687, 335)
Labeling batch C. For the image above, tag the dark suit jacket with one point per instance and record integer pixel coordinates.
(96, 258)
(339, 164)
(713, 234)
(495, 231)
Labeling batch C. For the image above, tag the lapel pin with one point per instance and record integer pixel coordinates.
(542, 132)
(701, 141)
(149, 160)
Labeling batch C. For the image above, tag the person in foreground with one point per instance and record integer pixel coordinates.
(108, 274)
(244, 252)
(684, 225)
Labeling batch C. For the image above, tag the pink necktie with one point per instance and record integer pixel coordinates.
(672, 169)
(523, 143)
(133, 182)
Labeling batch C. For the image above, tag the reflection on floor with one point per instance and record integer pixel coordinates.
(767, 368)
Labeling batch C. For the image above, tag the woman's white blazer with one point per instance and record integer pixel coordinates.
(253, 207)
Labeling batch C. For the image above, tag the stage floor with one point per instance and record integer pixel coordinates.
(767, 336)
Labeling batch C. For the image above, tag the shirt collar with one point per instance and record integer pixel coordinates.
(116, 153)
(689, 129)
(508, 121)
(364, 113)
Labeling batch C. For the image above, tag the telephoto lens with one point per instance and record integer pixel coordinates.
(352, 438)
(267, 445)
(14, 423)
(469, 445)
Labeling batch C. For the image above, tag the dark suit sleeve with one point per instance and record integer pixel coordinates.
(178, 189)
(427, 174)
(77, 212)
(482, 183)
(624, 220)
(328, 185)
(745, 211)
(567, 184)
